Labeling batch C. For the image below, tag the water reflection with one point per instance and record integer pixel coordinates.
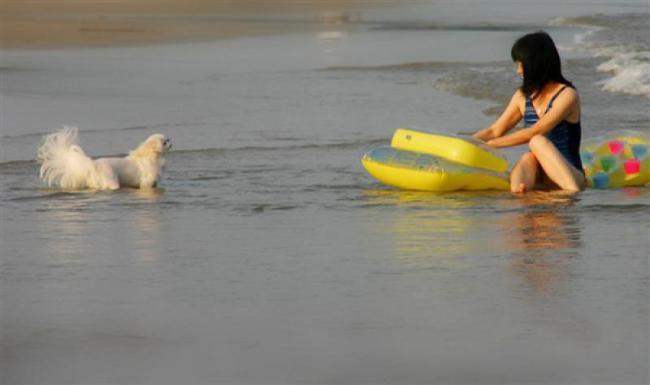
(334, 33)
(330, 36)
(542, 236)
(151, 195)
(83, 225)
(145, 227)
(68, 222)
(539, 232)
(431, 230)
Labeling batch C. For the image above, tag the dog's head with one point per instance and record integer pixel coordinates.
(154, 147)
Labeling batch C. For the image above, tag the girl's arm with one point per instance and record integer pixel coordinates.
(563, 106)
(508, 119)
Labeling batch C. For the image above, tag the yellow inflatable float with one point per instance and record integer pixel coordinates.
(620, 160)
(466, 151)
(422, 161)
(436, 162)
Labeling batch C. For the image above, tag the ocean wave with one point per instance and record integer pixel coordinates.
(624, 208)
(492, 82)
(624, 42)
(580, 21)
(432, 26)
(10, 166)
(13, 164)
(19, 162)
(304, 146)
(104, 130)
(630, 70)
(43, 196)
(406, 67)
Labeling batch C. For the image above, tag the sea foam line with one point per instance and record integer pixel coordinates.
(628, 65)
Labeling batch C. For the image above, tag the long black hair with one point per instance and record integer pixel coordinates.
(541, 61)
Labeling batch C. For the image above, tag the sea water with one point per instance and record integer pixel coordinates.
(269, 256)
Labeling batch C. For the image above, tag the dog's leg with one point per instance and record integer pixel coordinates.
(106, 177)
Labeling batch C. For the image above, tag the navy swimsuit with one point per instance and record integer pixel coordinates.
(565, 136)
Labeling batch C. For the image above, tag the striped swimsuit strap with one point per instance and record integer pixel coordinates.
(550, 104)
(531, 108)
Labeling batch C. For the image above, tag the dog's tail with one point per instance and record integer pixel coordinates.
(64, 163)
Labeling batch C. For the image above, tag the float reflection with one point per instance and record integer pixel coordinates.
(432, 230)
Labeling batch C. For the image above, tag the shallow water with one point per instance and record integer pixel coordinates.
(269, 256)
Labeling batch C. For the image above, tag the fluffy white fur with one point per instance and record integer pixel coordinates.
(64, 164)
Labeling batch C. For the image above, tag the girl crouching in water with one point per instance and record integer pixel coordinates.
(550, 107)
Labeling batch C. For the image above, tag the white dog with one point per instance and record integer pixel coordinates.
(65, 165)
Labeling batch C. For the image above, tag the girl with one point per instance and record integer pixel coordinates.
(550, 107)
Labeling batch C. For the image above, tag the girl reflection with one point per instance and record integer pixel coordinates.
(543, 236)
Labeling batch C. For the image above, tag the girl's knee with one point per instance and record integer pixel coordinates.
(538, 142)
(528, 157)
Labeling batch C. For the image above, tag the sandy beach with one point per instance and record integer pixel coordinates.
(61, 23)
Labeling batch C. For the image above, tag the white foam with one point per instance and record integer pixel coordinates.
(580, 38)
(579, 43)
(629, 65)
(630, 70)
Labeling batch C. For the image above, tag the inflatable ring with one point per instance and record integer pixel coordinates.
(436, 162)
(616, 161)
(464, 150)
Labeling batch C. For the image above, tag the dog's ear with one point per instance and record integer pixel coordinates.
(154, 144)
(152, 147)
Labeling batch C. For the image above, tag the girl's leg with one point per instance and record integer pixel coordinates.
(524, 175)
(555, 166)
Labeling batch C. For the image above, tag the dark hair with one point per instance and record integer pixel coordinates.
(541, 61)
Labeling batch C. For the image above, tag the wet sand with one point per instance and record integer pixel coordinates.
(60, 23)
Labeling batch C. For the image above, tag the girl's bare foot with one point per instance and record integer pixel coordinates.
(521, 189)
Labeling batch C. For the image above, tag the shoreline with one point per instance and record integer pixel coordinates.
(61, 24)
(29, 34)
